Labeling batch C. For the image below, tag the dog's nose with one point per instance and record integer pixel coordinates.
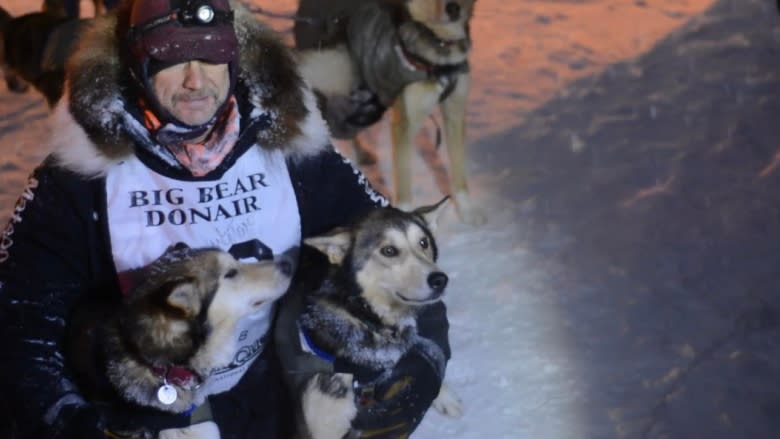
(287, 261)
(437, 281)
(453, 10)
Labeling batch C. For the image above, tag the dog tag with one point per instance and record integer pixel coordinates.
(167, 394)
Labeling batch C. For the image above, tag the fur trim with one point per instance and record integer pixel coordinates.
(93, 130)
(72, 146)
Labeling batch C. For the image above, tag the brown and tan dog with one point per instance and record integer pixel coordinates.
(34, 48)
(174, 329)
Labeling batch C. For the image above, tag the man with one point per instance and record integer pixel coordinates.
(182, 121)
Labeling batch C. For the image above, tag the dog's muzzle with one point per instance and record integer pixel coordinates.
(453, 10)
(288, 261)
(437, 281)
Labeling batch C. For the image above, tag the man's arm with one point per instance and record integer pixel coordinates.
(44, 269)
(55, 254)
(331, 192)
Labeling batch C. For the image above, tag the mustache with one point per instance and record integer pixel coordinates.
(194, 95)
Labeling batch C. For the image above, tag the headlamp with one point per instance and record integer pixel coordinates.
(205, 14)
(188, 13)
(201, 13)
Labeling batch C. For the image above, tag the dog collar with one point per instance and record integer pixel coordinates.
(364, 378)
(412, 61)
(429, 34)
(179, 376)
(308, 345)
(417, 63)
(172, 377)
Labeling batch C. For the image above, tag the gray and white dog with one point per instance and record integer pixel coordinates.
(364, 56)
(350, 317)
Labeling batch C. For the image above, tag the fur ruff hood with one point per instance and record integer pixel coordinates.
(92, 130)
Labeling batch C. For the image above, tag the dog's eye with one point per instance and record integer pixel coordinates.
(389, 251)
(424, 243)
(231, 273)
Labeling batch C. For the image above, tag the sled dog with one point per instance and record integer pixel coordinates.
(350, 316)
(173, 329)
(12, 82)
(34, 49)
(364, 56)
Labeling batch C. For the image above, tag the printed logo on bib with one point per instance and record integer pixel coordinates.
(210, 203)
(250, 341)
(245, 354)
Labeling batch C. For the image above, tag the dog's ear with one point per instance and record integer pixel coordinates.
(335, 244)
(432, 214)
(177, 246)
(182, 295)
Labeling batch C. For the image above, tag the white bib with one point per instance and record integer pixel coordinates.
(254, 200)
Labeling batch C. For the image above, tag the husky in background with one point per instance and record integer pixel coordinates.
(363, 56)
(13, 82)
(34, 48)
(353, 307)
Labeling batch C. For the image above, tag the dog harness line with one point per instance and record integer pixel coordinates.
(181, 376)
(307, 344)
(364, 389)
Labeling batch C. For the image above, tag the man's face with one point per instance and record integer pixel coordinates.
(192, 91)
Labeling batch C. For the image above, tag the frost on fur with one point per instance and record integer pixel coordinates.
(381, 352)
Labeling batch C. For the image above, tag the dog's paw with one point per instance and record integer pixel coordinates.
(336, 385)
(467, 211)
(203, 430)
(141, 433)
(326, 415)
(448, 403)
(15, 84)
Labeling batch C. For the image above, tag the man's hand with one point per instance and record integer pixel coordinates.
(395, 406)
(129, 422)
(80, 422)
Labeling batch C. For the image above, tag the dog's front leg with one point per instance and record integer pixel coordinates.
(12, 81)
(204, 430)
(454, 113)
(329, 406)
(448, 403)
(415, 103)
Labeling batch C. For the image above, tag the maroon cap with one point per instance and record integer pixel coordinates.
(174, 31)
